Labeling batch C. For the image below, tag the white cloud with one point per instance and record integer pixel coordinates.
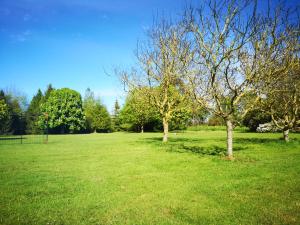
(21, 37)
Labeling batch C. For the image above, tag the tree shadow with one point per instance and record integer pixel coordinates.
(207, 150)
(211, 150)
(257, 140)
(178, 145)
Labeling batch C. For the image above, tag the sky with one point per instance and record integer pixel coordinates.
(74, 44)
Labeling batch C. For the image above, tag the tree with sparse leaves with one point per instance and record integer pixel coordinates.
(230, 42)
(163, 60)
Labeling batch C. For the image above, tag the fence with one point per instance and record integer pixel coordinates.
(24, 139)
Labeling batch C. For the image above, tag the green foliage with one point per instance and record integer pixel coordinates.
(97, 116)
(13, 120)
(180, 118)
(63, 112)
(138, 114)
(3, 109)
(33, 113)
(255, 117)
(198, 114)
(215, 121)
(47, 92)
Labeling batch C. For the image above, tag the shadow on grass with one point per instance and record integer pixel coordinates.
(179, 145)
(158, 140)
(211, 150)
(260, 140)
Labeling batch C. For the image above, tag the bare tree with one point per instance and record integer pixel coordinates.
(235, 50)
(283, 102)
(163, 59)
(280, 67)
(222, 32)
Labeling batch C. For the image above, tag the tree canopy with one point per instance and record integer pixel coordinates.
(63, 112)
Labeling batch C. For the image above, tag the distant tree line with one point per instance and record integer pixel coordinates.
(54, 111)
(62, 111)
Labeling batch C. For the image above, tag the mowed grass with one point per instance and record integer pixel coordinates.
(126, 178)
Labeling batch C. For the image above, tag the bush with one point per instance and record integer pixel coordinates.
(254, 118)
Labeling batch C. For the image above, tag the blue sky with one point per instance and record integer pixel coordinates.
(72, 43)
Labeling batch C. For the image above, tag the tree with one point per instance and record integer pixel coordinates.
(5, 122)
(163, 60)
(47, 92)
(255, 117)
(283, 100)
(3, 111)
(137, 111)
(13, 122)
(97, 116)
(101, 119)
(229, 42)
(33, 113)
(199, 115)
(63, 111)
(115, 118)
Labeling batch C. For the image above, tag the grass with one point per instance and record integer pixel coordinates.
(123, 178)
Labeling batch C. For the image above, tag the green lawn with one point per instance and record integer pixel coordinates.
(126, 178)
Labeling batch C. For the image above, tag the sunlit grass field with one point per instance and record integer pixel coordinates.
(127, 178)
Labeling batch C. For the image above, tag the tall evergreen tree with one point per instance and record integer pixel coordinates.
(47, 92)
(33, 113)
(116, 113)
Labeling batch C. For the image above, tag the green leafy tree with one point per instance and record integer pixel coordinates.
(33, 113)
(3, 113)
(255, 117)
(13, 122)
(3, 109)
(101, 121)
(63, 112)
(97, 116)
(137, 111)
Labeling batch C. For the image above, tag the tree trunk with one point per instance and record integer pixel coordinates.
(229, 139)
(286, 135)
(142, 129)
(166, 130)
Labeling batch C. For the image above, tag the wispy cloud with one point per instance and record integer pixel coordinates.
(21, 37)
